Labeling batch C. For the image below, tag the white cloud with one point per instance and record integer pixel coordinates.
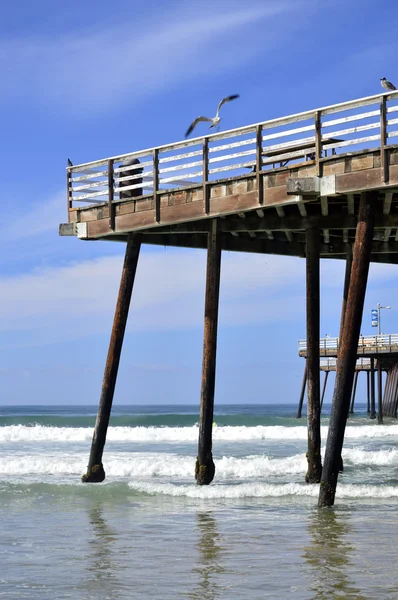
(79, 299)
(98, 67)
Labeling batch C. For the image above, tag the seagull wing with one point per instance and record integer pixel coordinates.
(195, 122)
(227, 99)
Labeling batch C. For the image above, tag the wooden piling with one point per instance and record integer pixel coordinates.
(348, 347)
(205, 469)
(354, 392)
(368, 391)
(303, 386)
(372, 390)
(314, 471)
(95, 470)
(324, 387)
(379, 393)
(348, 266)
(395, 392)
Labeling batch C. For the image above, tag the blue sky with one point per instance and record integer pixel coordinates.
(91, 80)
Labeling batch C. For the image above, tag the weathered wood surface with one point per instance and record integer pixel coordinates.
(95, 470)
(224, 174)
(313, 374)
(347, 354)
(205, 469)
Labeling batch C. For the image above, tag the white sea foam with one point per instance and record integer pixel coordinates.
(262, 490)
(34, 433)
(167, 465)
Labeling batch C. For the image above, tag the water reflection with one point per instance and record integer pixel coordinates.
(101, 566)
(210, 552)
(330, 556)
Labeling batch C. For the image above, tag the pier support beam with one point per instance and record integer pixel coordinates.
(205, 469)
(95, 470)
(354, 392)
(324, 387)
(368, 391)
(372, 390)
(348, 266)
(313, 378)
(379, 393)
(348, 347)
(303, 386)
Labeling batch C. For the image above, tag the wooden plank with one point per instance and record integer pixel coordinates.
(350, 203)
(349, 119)
(324, 206)
(213, 149)
(351, 130)
(90, 175)
(156, 195)
(326, 236)
(175, 157)
(111, 206)
(362, 140)
(205, 177)
(235, 155)
(185, 166)
(364, 180)
(290, 144)
(345, 236)
(387, 203)
(259, 164)
(302, 209)
(126, 168)
(383, 140)
(287, 132)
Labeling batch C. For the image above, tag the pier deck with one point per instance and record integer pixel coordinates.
(268, 183)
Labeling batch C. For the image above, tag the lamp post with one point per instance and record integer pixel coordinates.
(379, 307)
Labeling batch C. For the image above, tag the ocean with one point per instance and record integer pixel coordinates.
(150, 532)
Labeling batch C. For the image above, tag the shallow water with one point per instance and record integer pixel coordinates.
(149, 532)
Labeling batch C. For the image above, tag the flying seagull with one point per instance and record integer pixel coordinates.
(387, 85)
(215, 120)
(70, 164)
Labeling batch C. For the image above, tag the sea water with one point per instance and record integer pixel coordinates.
(149, 531)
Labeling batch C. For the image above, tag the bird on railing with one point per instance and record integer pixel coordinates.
(70, 163)
(387, 85)
(215, 120)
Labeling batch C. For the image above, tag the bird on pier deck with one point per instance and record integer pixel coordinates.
(70, 164)
(387, 85)
(215, 120)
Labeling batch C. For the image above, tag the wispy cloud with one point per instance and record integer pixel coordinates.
(102, 66)
(169, 293)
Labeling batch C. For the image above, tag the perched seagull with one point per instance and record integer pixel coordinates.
(387, 85)
(70, 164)
(215, 120)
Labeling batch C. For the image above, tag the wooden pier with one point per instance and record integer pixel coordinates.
(375, 354)
(319, 184)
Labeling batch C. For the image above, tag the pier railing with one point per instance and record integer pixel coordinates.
(369, 344)
(313, 136)
(329, 364)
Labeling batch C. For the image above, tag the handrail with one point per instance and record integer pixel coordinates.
(368, 344)
(169, 166)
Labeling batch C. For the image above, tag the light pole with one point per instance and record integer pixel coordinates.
(379, 307)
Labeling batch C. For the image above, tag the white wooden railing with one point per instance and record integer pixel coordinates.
(315, 135)
(330, 363)
(368, 344)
